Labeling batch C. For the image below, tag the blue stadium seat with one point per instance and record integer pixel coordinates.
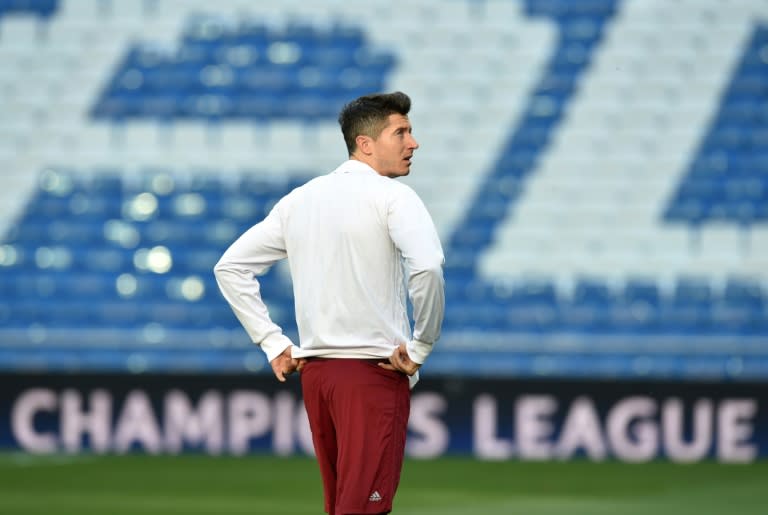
(636, 318)
(534, 318)
(586, 318)
(685, 319)
(744, 294)
(43, 8)
(708, 192)
(692, 292)
(593, 293)
(248, 71)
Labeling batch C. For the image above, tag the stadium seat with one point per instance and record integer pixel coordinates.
(598, 172)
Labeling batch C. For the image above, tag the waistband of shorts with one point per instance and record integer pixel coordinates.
(364, 360)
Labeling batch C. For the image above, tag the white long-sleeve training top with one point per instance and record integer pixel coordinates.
(355, 240)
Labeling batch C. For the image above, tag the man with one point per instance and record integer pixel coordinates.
(353, 239)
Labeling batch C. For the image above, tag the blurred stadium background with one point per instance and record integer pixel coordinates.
(597, 169)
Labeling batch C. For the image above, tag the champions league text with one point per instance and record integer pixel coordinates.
(526, 426)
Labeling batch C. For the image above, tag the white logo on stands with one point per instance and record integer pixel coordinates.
(375, 497)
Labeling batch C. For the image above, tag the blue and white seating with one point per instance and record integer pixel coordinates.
(596, 169)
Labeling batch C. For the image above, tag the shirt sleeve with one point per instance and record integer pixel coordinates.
(250, 256)
(413, 232)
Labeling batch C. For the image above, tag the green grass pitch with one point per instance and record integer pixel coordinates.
(193, 484)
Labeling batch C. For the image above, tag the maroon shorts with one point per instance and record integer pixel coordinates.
(358, 414)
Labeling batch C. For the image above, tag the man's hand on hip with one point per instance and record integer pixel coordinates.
(400, 361)
(284, 364)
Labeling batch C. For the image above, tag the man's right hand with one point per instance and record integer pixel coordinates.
(284, 364)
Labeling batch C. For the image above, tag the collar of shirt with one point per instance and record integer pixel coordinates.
(354, 166)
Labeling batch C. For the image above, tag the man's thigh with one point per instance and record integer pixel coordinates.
(369, 408)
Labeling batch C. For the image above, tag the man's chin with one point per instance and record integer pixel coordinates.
(399, 173)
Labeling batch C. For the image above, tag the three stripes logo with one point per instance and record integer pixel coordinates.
(375, 497)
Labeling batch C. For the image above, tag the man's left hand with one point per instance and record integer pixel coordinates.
(401, 362)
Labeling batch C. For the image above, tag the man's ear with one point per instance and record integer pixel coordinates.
(364, 144)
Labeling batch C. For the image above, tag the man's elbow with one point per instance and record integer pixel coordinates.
(221, 268)
(435, 263)
(431, 268)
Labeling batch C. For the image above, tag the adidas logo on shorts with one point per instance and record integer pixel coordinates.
(375, 497)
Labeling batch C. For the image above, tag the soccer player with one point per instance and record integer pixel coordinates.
(357, 242)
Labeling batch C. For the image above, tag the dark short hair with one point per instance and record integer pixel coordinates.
(368, 115)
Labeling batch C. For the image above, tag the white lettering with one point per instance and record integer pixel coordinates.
(283, 432)
(673, 428)
(432, 434)
(733, 428)
(632, 438)
(581, 430)
(484, 424)
(183, 424)
(137, 424)
(23, 420)
(533, 427)
(75, 422)
(635, 429)
(249, 417)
